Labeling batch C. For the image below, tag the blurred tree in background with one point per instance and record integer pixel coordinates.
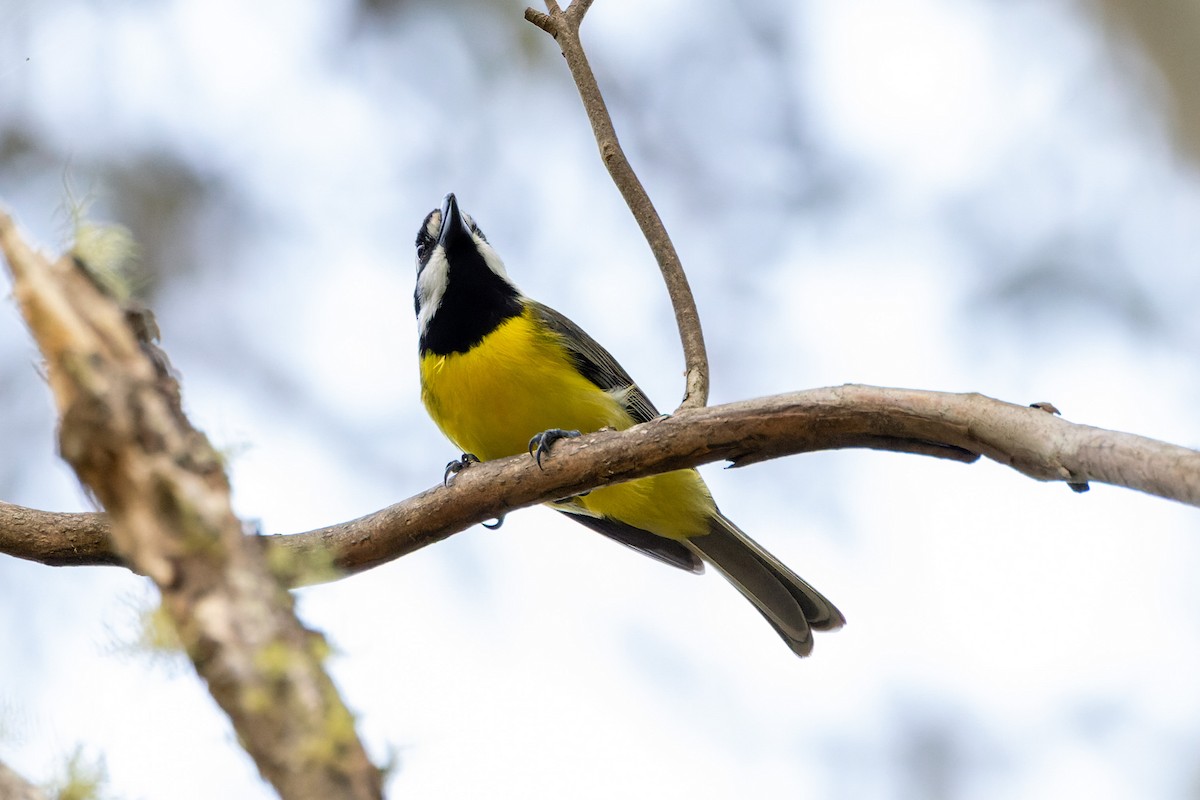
(987, 196)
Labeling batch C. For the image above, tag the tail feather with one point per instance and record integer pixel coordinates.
(793, 608)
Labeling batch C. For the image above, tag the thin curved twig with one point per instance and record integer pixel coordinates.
(564, 27)
(955, 426)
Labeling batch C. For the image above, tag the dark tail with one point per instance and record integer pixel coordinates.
(793, 608)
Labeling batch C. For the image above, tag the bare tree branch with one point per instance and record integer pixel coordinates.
(954, 426)
(56, 539)
(564, 27)
(14, 787)
(167, 497)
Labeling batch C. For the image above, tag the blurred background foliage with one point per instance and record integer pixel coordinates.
(991, 196)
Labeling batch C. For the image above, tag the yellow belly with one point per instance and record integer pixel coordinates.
(519, 382)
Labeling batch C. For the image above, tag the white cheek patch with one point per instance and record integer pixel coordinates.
(431, 286)
(491, 257)
(433, 225)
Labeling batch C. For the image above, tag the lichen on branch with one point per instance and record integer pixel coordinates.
(166, 498)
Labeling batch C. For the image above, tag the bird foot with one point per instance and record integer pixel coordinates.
(457, 466)
(540, 444)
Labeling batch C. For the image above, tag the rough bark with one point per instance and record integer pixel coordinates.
(961, 427)
(166, 495)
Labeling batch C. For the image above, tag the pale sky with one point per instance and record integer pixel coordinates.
(861, 192)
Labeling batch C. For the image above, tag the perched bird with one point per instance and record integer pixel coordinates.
(502, 374)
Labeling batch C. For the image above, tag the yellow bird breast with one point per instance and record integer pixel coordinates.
(520, 381)
(517, 382)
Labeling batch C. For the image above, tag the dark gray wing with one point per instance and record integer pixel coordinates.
(660, 548)
(597, 364)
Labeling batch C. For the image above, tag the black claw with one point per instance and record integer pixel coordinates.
(491, 526)
(541, 442)
(455, 467)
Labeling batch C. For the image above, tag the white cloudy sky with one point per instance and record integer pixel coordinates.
(955, 196)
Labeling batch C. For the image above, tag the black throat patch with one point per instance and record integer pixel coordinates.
(475, 303)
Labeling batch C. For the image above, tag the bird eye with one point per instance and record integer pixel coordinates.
(424, 244)
(427, 235)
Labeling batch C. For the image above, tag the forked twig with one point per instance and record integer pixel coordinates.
(564, 27)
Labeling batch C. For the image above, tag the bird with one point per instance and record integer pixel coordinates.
(502, 374)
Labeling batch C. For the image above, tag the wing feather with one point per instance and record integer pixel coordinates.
(597, 364)
(668, 551)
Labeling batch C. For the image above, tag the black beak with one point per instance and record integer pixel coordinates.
(453, 225)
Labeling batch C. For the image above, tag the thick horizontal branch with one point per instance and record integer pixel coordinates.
(956, 426)
(55, 538)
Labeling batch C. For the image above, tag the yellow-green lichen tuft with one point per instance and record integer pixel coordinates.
(84, 778)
